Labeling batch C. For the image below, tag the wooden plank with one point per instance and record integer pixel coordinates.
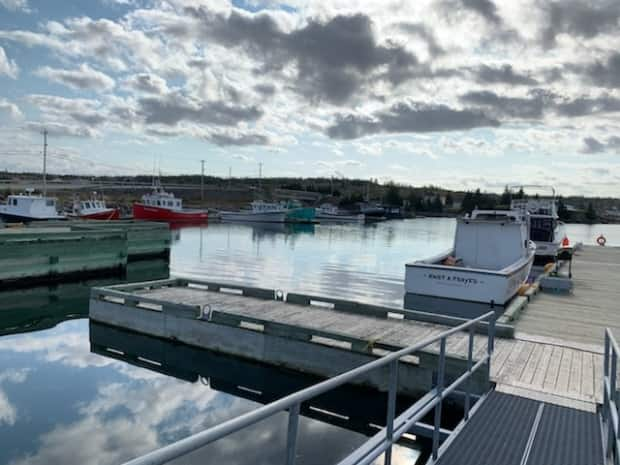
(574, 384)
(553, 370)
(587, 375)
(538, 380)
(561, 384)
(532, 364)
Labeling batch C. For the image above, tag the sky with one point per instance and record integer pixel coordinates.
(456, 93)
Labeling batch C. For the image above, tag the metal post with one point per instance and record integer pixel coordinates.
(440, 376)
(391, 410)
(611, 396)
(491, 342)
(606, 413)
(291, 439)
(470, 357)
(44, 162)
(202, 182)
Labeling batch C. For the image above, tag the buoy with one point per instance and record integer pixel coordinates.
(600, 240)
(565, 242)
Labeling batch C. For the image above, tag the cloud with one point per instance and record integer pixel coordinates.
(238, 139)
(61, 129)
(425, 33)
(174, 108)
(333, 59)
(10, 109)
(148, 83)
(592, 145)
(578, 19)
(83, 78)
(409, 117)
(602, 73)
(531, 107)
(504, 74)
(485, 8)
(16, 5)
(8, 67)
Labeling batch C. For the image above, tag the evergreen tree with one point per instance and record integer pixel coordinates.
(392, 197)
(449, 200)
(506, 197)
(436, 205)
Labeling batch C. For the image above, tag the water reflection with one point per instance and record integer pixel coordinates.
(342, 260)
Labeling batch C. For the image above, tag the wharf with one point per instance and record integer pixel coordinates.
(64, 251)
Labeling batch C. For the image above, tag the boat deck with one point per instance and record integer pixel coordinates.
(580, 317)
(512, 430)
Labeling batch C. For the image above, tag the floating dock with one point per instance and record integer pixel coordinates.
(64, 251)
(553, 385)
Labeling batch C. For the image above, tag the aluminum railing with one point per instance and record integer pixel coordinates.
(610, 399)
(383, 441)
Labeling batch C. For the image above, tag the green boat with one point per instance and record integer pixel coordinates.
(296, 213)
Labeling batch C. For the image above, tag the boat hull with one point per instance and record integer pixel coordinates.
(12, 218)
(326, 217)
(149, 213)
(301, 215)
(110, 214)
(254, 217)
(465, 284)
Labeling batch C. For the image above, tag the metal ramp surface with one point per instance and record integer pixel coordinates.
(512, 430)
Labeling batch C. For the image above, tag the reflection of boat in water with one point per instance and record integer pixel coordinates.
(491, 258)
(43, 307)
(265, 229)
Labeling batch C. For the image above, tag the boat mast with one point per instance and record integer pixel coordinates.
(202, 182)
(44, 162)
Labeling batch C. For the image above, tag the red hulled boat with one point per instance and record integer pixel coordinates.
(94, 209)
(160, 205)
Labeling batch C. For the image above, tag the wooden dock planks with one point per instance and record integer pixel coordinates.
(539, 366)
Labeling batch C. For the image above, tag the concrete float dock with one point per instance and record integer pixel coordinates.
(62, 251)
(551, 380)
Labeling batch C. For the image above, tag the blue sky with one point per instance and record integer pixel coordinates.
(457, 93)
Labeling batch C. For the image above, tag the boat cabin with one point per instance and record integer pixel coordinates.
(29, 205)
(162, 199)
(490, 239)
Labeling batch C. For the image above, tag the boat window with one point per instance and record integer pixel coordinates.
(49, 203)
(158, 202)
(541, 229)
(14, 201)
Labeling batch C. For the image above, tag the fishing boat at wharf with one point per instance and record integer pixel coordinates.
(160, 205)
(491, 258)
(95, 208)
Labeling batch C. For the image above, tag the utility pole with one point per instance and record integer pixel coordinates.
(44, 162)
(229, 176)
(202, 182)
(260, 174)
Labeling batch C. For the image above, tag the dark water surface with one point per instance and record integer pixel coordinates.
(63, 401)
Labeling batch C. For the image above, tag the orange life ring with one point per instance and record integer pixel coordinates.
(600, 240)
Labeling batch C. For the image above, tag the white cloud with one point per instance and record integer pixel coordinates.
(83, 78)
(10, 109)
(16, 5)
(8, 67)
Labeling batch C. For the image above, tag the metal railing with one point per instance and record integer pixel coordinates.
(610, 399)
(383, 441)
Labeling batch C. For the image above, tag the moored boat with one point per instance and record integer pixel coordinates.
(331, 213)
(160, 205)
(259, 212)
(546, 229)
(29, 206)
(491, 258)
(94, 209)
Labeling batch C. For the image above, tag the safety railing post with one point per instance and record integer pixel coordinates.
(611, 395)
(440, 381)
(470, 360)
(291, 438)
(606, 413)
(491, 342)
(391, 410)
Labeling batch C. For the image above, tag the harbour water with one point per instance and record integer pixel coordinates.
(62, 402)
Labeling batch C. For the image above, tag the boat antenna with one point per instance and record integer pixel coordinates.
(44, 162)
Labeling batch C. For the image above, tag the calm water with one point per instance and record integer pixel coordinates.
(62, 402)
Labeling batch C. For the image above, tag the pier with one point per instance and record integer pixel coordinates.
(554, 386)
(47, 252)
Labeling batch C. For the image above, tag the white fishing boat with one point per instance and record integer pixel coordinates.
(259, 212)
(331, 213)
(94, 208)
(29, 206)
(491, 258)
(546, 229)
